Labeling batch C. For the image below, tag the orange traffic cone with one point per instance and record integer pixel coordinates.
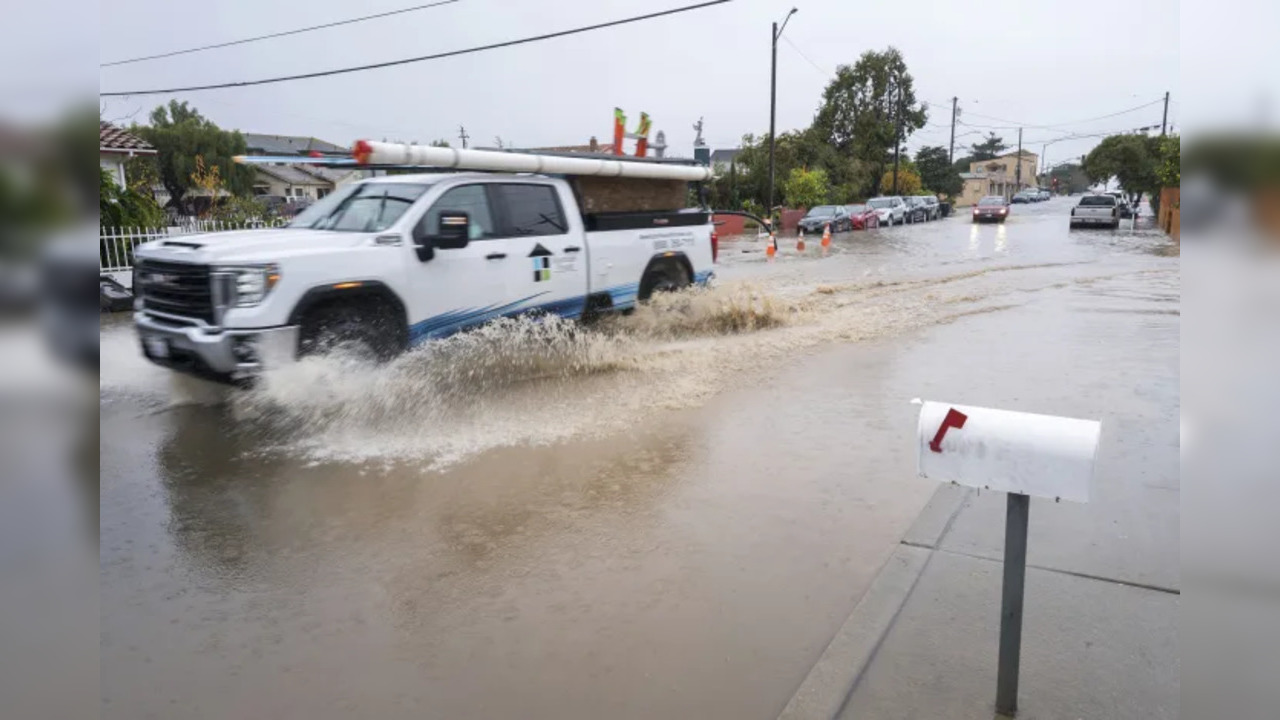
(773, 247)
(800, 241)
(826, 236)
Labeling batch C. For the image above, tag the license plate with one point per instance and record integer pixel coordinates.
(157, 347)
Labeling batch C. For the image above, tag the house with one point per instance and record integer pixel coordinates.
(260, 144)
(998, 176)
(115, 147)
(724, 157)
(297, 180)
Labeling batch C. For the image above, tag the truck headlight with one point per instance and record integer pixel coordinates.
(250, 283)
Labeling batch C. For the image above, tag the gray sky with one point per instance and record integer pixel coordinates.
(1039, 63)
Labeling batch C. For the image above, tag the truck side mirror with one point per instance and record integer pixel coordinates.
(422, 243)
(455, 227)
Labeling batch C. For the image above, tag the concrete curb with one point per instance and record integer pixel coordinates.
(828, 683)
(833, 677)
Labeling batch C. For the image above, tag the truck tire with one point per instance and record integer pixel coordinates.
(361, 326)
(667, 276)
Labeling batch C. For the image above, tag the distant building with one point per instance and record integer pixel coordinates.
(115, 147)
(297, 181)
(725, 156)
(260, 144)
(997, 176)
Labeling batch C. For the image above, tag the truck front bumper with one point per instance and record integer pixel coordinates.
(221, 354)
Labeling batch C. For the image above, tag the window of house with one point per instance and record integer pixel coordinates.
(531, 210)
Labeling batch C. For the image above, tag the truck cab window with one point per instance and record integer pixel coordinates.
(531, 210)
(470, 199)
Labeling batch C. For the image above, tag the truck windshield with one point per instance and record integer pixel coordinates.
(365, 207)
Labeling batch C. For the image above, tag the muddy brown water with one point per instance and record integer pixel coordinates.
(663, 516)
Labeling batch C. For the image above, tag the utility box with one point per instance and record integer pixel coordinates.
(1012, 452)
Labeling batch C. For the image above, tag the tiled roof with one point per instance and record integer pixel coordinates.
(288, 145)
(114, 139)
(292, 174)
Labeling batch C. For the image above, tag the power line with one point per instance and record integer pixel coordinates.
(286, 33)
(807, 58)
(423, 58)
(1015, 124)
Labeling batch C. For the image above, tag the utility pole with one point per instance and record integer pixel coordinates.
(1164, 122)
(951, 153)
(897, 136)
(1017, 170)
(463, 136)
(773, 104)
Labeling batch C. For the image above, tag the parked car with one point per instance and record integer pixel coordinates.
(819, 217)
(915, 210)
(1023, 197)
(891, 209)
(1045, 195)
(863, 217)
(932, 209)
(991, 208)
(1101, 209)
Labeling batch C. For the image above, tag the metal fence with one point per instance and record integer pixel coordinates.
(116, 244)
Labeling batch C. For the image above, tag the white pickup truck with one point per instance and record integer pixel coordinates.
(393, 261)
(1099, 209)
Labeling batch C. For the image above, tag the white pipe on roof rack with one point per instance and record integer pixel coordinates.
(369, 152)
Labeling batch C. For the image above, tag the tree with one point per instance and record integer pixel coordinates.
(125, 208)
(989, 148)
(806, 188)
(908, 182)
(1169, 171)
(179, 134)
(936, 172)
(440, 143)
(1131, 159)
(860, 112)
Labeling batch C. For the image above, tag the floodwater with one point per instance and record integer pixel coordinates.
(666, 515)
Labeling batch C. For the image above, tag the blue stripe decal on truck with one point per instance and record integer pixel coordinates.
(446, 324)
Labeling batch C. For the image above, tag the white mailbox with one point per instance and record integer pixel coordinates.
(1013, 452)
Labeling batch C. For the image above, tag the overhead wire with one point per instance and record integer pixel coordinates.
(422, 58)
(1015, 124)
(270, 36)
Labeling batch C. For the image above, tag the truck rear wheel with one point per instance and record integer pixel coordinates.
(667, 276)
(362, 327)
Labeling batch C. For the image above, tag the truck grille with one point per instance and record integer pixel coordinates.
(178, 289)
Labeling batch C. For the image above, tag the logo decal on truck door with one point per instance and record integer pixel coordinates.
(541, 269)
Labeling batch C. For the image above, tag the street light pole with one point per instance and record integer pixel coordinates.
(773, 104)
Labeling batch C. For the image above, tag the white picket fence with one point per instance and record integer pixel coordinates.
(116, 244)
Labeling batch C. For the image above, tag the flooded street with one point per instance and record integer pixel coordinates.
(663, 515)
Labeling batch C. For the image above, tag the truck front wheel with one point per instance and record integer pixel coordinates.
(359, 326)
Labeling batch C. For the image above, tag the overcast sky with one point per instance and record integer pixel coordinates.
(1041, 63)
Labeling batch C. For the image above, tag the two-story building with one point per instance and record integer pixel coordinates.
(998, 176)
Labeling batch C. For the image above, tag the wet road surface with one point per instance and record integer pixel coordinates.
(664, 516)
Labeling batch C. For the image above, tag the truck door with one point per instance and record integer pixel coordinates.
(459, 287)
(546, 264)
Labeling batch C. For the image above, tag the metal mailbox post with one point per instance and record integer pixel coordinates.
(1021, 454)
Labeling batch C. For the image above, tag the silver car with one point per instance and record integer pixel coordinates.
(891, 209)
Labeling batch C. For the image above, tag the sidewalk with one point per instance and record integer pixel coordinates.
(1100, 634)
